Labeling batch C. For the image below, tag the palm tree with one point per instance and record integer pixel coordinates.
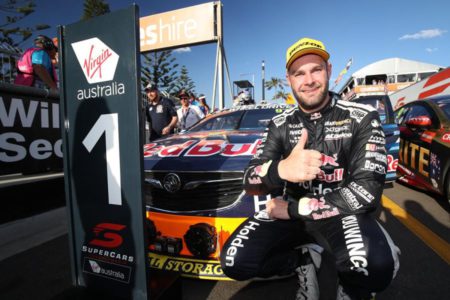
(278, 85)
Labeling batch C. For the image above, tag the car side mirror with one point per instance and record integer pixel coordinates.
(419, 122)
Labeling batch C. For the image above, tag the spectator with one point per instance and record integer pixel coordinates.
(160, 112)
(38, 61)
(188, 114)
(202, 104)
(192, 99)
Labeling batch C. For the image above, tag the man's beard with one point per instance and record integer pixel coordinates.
(312, 106)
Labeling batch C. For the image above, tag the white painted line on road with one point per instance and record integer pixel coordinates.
(24, 234)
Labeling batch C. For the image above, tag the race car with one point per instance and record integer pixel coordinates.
(387, 117)
(193, 189)
(424, 155)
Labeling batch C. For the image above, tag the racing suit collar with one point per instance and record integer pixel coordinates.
(324, 111)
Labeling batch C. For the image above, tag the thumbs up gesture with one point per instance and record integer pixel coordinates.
(301, 164)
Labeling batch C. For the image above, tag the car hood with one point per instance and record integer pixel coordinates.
(202, 151)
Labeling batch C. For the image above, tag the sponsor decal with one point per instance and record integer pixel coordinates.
(193, 268)
(295, 126)
(204, 148)
(338, 136)
(107, 235)
(379, 131)
(337, 175)
(350, 199)
(373, 147)
(338, 123)
(107, 270)
(329, 160)
(377, 140)
(238, 241)
(381, 157)
(371, 166)
(279, 120)
(355, 245)
(392, 163)
(361, 191)
(446, 137)
(263, 216)
(260, 202)
(427, 136)
(98, 63)
(375, 123)
(415, 157)
(262, 170)
(315, 116)
(254, 180)
(435, 167)
(325, 214)
(316, 189)
(336, 129)
(357, 114)
(107, 255)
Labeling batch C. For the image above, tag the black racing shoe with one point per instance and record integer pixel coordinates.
(307, 277)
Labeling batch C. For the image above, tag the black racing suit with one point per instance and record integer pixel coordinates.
(352, 143)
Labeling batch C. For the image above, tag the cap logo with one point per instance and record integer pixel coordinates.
(301, 45)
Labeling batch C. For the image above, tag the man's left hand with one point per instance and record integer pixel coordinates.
(277, 208)
(166, 130)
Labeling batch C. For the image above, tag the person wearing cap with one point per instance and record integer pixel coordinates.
(324, 165)
(160, 112)
(35, 67)
(203, 105)
(188, 114)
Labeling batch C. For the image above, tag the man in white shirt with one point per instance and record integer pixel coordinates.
(188, 114)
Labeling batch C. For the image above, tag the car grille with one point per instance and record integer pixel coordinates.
(195, 190)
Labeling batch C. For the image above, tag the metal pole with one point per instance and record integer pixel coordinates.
(263, 82)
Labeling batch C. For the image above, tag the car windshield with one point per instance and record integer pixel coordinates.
(378, 104)
(253, 119)
(445, 107)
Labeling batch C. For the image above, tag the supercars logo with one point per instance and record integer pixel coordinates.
(107, 236)
(96, 59)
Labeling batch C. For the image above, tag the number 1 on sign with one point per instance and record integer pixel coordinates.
(109, 124)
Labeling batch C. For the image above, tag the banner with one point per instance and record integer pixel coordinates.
(181, 27)
(343, 72)
(103, 153)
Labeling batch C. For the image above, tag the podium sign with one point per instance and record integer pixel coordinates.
(103, 156)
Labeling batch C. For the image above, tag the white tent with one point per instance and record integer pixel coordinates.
(392, 66)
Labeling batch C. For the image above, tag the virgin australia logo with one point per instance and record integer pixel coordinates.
(96, 59)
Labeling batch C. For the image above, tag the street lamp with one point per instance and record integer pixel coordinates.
(263, 81)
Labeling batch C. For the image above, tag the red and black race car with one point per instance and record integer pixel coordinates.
(424, 155)
(193, 189)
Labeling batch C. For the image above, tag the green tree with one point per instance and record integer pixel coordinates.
(278, 85)
(94, 8)
(161, 69)
(185, 82)
(16, 10)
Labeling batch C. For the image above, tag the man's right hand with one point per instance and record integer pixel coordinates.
(301, 164)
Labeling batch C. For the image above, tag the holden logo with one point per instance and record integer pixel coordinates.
(172, 183)
(96, 59)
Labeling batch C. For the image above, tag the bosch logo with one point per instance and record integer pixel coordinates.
(172, 183)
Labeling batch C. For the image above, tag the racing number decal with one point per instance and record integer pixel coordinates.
(109, 124)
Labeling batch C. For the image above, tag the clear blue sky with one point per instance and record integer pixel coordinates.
(256, 30)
